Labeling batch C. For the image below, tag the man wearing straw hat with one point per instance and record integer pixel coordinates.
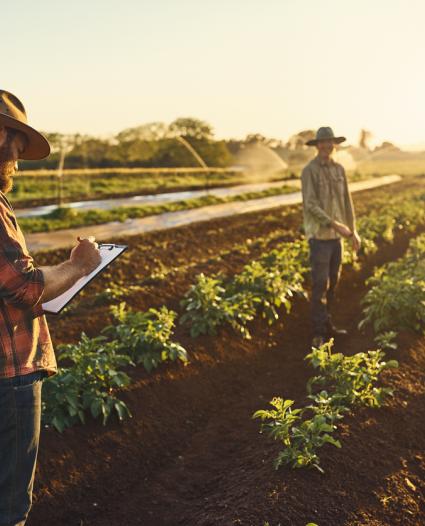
(328, 217)
(26, 352)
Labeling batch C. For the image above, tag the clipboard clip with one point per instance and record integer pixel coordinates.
(107, 246)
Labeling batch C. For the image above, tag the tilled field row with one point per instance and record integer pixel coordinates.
(192, 455)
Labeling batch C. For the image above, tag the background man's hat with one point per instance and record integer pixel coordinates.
(12, 115)
(325, 134)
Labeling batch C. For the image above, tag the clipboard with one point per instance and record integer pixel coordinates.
(108, 252)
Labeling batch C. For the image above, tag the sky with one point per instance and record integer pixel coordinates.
(273, 67)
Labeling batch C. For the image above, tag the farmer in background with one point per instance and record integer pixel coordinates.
(26, 352)
(328, 217)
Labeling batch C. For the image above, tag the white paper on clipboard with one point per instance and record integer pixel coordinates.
(108, 253)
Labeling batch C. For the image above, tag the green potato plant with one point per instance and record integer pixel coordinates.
(345, 381)
(87, 384)
(396, 298)
(145, 336)
(263, 286)
(301, 436)
(91, 373)
(400, 212)
(207, 307)
(386, 339)
(351, 379)
(274, 279)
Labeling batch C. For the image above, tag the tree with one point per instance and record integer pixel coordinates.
(152, 131)
(253, 138)
(89, 152)
(190, 127)
(388, 146)
(172, 153)
(55, 140)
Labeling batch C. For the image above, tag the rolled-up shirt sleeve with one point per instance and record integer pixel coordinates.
(21, 284)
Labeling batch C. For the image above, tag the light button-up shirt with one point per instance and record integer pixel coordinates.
(326, 198)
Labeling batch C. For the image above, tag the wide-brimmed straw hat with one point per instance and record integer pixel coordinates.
(13, 115)
(325, 134)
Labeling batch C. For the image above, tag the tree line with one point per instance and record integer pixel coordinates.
(149, 145)
(157, 144)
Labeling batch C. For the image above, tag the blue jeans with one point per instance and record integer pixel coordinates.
(325, 260)
(20, 412)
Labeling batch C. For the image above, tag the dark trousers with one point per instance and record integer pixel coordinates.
(20, 412)
(325, 260)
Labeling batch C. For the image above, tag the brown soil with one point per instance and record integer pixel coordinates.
(191, 455)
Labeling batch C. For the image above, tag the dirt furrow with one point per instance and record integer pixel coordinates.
(193, 456)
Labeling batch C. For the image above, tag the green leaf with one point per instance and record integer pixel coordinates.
(58, 424)
(392, 364)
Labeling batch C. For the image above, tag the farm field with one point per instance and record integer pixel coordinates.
(44, 187)
(192, 454)
(36, 188)
(64, 218)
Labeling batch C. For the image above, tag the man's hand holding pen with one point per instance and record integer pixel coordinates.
(86, 255)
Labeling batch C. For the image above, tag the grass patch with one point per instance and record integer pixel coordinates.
(63, 218)
(43, 187)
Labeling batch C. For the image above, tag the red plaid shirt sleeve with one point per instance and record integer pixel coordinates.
(21, 284)
(25, 344)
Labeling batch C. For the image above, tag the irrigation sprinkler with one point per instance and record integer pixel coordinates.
(196, 155)
(59, 175)
(65, 146)
(191, 150)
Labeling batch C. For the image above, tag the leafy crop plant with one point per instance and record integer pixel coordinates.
(345, 381)
(87, 384)
(146, 336)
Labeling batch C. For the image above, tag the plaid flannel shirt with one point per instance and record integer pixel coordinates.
(25, 344)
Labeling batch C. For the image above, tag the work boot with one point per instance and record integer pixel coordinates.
(334, 331)
(317, 341)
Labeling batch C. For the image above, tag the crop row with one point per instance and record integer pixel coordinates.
(344, 382)
(65, 217)
(271, 281)
(401, 212)
(396, 299)
(90, 371)
(262, 288)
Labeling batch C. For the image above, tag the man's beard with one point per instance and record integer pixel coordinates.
(7, 169)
